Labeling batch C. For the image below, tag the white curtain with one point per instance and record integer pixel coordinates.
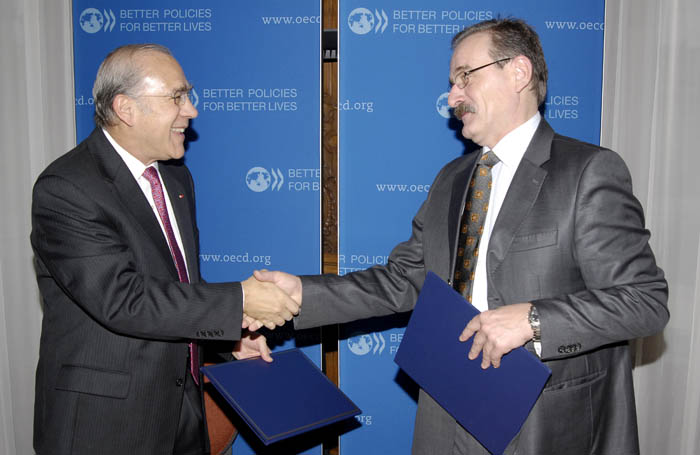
(36, 126)
(650, 116)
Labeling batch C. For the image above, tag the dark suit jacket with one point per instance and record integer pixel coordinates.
(117, 321)
(570, 238)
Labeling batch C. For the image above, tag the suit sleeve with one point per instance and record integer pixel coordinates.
(79, 248)
(626, 293)
(377, 291)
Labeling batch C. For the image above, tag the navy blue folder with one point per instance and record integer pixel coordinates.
(287, 397)
(490, 404)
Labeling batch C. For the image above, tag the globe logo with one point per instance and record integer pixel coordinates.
(361, 21)
(360, 345)
(258, 179)
(194, 98)
(91, 20)
(442, 107)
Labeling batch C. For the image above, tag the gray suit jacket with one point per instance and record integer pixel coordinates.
(114, 340)
(569, 238)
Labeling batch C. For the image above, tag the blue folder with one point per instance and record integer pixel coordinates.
(490, 404)
(287, 397)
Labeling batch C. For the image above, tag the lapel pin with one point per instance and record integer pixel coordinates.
(181, 196)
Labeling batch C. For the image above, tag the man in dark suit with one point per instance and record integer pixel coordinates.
(565, 267)
(126, 315)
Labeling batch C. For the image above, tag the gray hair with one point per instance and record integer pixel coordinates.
(510, 38)
(119, 74)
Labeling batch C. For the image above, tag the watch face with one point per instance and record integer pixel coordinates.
(533, 316)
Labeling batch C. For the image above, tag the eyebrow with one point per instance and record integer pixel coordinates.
(462, 68)
(183, 88)
(458, 70)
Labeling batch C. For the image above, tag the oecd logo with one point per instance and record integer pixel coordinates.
(365, 343)
(441, 105)
(194, 98)
(362, 21)
(259, 179)
(92, 20)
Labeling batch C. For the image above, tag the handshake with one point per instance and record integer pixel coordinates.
(270, 299)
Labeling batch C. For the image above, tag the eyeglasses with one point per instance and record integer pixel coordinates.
(179, 98)
(462, 78)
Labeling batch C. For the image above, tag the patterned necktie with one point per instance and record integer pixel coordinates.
(472, 225)
(151, 174)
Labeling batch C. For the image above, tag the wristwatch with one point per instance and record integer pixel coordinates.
(533, 317)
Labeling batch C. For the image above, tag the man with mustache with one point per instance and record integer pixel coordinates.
(542, 234)
(126, 314)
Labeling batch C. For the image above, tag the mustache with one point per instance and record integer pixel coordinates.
(462, 109)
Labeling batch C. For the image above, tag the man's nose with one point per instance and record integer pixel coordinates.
(455, 96)
(188, 110)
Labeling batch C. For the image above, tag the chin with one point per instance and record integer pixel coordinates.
(177, 154)
(466, 134)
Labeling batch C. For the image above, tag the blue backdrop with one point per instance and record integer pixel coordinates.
(395, 134)
(254, 150)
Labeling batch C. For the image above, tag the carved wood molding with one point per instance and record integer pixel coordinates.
(329, 159)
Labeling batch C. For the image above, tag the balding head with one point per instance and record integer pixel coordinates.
(120, 73)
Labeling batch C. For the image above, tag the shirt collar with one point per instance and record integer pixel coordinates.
(511, 148)
(135, 166)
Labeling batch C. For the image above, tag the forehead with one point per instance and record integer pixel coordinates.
(162, 71)
(471, 52)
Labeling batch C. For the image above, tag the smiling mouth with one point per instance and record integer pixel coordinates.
(179, 130)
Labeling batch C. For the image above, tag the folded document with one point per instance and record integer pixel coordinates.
(490, 404)
(287, 397)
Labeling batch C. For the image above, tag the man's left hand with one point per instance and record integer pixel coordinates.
(252, 345)
(497, 332)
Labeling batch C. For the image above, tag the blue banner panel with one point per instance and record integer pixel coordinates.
(254, 149)
(396, 133)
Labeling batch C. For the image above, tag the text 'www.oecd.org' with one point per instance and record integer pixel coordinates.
(290, 20)
(402, 188)
(574, 25)
(244, 258)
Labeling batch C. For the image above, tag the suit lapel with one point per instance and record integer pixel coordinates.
(457, 199)
(521, 195)
(128, 192)
(179, 201)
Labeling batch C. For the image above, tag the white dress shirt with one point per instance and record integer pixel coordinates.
(136, 168)
(510, 151)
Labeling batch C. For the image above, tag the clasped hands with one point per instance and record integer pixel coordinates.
(271, 299)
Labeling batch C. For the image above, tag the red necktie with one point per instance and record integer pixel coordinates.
(151, 174)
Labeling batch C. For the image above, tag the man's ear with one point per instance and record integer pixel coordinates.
(522, 70)
(125, 108)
